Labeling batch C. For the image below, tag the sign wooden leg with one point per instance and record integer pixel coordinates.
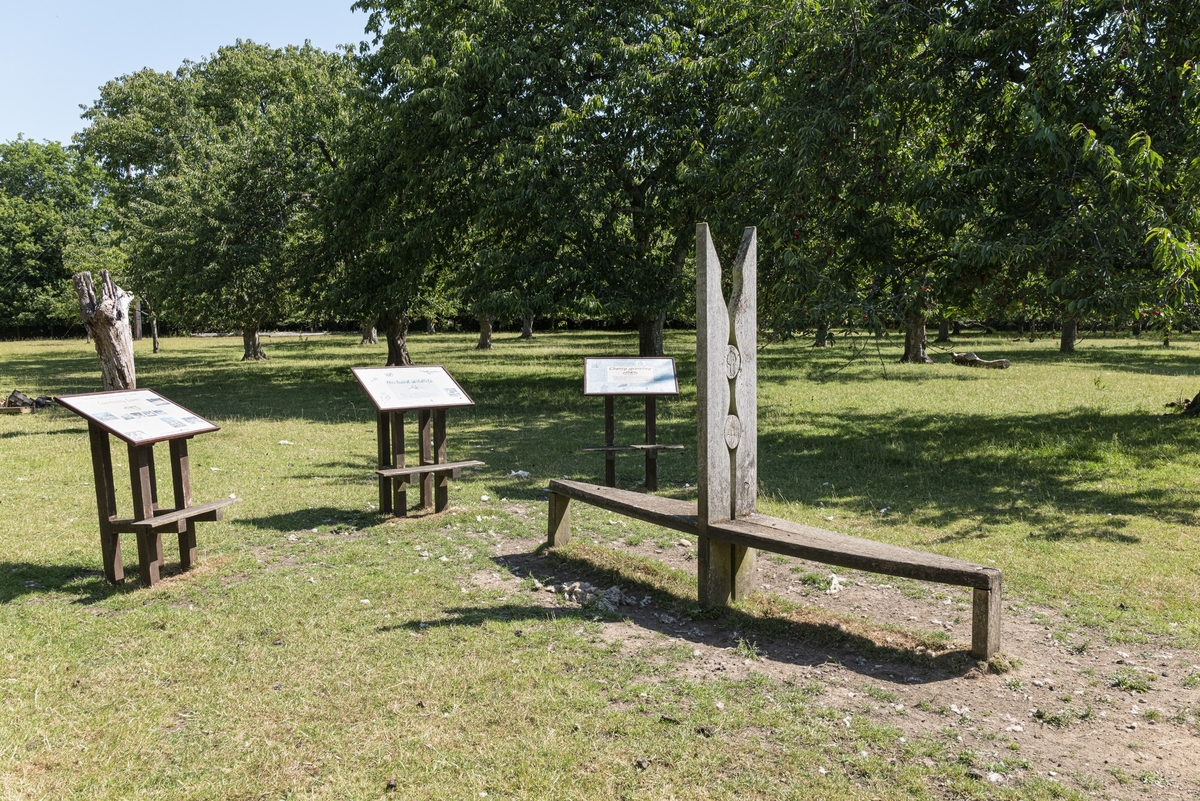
(141, 479)
(384, 443)
(610, 457)
(651, 439)
(181, 480)
(399, 485)
(441, 482)
(425, 447)
(106, 503)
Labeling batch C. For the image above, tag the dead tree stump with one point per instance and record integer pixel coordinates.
(106, 318)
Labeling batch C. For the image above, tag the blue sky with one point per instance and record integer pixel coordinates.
(55, 54)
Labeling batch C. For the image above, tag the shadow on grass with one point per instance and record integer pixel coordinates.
(794, 642)
(84, 585)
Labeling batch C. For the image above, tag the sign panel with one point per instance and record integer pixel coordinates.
(396, 389)
(138, 416)
(638, 376)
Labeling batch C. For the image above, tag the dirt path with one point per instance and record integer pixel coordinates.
(1109, 721)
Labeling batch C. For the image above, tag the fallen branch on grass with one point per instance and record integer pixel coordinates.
(971, 360)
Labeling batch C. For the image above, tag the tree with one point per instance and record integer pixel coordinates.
(54, 219)
(218, 166)
(562, 139)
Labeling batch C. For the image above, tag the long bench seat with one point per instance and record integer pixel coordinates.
(794, 539)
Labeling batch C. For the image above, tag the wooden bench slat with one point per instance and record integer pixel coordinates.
(666, 512)
(604, 448)
(207, 512)
(828, 547)
(785, 537)
(422, 469)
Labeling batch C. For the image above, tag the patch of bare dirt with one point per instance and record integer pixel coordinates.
(1107, 720)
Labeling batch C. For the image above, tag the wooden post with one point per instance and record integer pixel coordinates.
(106, 503)
(181, 480)
(651, 439)
(441, 481)
(399, 484)
(141, 479)
(726, 415)
(425, 448)
(384, 441)
(558, 527)
(610, 439)
(985, 622)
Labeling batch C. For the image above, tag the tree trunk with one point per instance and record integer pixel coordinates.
(943, 330)
(957, 329)
(821, 340)
(137, 321)
(485, 333)
(430, 325)
(251, 345)
(914, 340)
(526, 328)
(154, 331)
(106, 319)
(396, 331)
(1067, 343)
(369, 334)
(650, 335)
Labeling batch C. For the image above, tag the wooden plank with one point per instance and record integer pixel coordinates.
(383, 441)
(441, 480)
(665, 512)
(610, 457)
(712, 385)
(16, 409)
(619, 448)
(106, 503)
(181, 484)
(453, 469)
(425, 449)
(202, 512)
(651, 443)
(558, 526)
(399, 502)
(828, 547)
(150, 558)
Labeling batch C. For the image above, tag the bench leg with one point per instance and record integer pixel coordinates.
(744, 570)
(714, 571)
(985, 623)
(558, 526)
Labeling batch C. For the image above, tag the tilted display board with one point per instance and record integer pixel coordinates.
(138, 416)
(628, 376)
(142, 417)
(397, 389)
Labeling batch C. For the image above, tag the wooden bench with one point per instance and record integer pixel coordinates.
(794, 539)
(725, 518)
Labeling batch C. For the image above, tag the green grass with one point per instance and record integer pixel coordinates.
(262, 674)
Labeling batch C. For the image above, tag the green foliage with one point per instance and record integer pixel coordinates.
(217, 168)
(54, 218)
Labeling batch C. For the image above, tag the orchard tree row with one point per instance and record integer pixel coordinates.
(905, 162)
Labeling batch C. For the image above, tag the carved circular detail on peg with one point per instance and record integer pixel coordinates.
(733, 432)
(733, 362)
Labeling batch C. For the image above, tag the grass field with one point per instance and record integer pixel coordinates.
(320, 651)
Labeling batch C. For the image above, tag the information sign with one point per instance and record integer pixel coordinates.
(138, 416)
(394, 389)
(640, 376)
